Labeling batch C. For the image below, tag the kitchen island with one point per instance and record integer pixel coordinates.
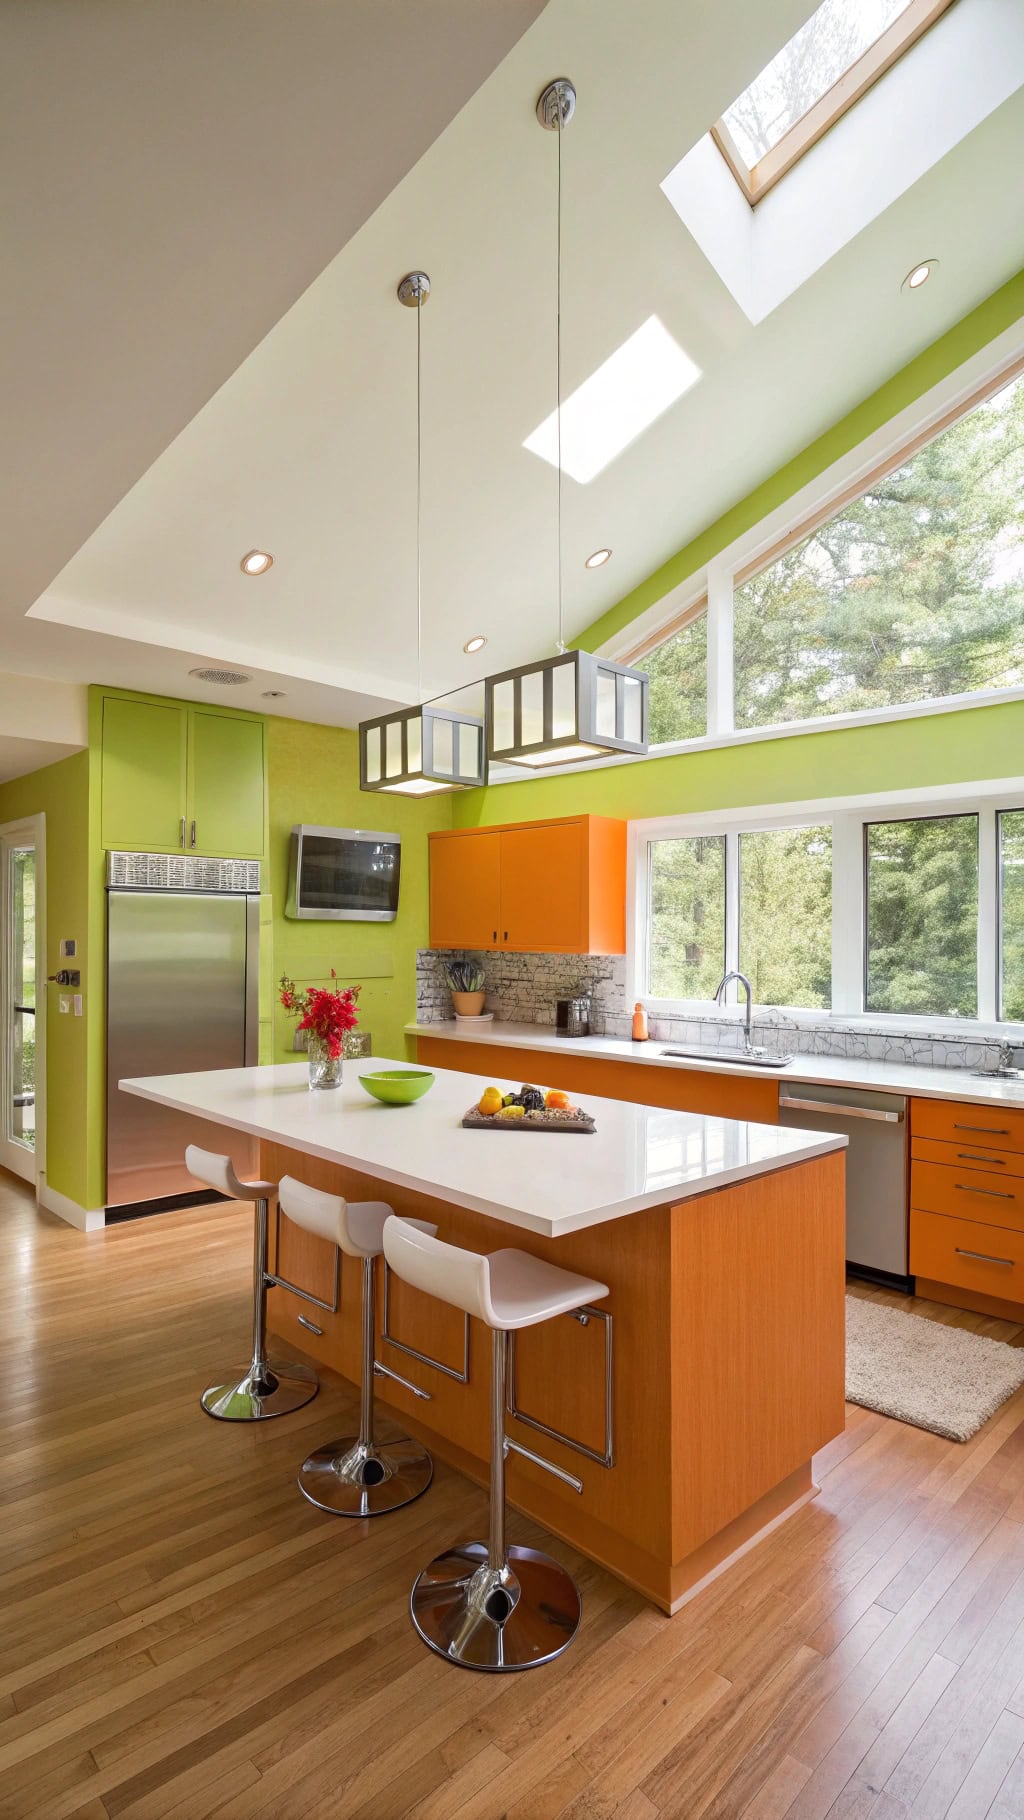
(690, 1401)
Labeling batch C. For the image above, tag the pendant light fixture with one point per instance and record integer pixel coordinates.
(423, 750)
(573, 705)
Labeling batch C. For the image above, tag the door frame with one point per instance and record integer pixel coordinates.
(31, 828)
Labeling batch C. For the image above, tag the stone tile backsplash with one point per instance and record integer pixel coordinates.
(523, 988)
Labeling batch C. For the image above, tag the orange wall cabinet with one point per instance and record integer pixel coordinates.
(556, 887)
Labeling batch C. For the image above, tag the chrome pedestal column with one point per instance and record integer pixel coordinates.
(270, 1387)
(360, 1476)
(497, 1608)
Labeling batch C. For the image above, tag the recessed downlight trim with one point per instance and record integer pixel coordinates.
(256, 562)
(474, 644)
(225, 679)
(597, 559)
(273, 694)
(918, 275)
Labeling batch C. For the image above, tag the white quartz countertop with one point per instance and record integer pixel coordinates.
(831, 1070)
(546, 1182)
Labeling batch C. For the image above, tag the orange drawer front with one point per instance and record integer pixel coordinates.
(969, 1194)
(967, 1155)
(955, 1122)
(986, 1259)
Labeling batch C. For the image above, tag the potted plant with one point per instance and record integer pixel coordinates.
(466, 985)
(326, 1012)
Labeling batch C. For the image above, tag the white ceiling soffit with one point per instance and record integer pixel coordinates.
(20, 756)
(176, 173)
(958, 74)
(308, 449)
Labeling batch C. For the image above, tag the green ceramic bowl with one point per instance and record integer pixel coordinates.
(398, 1086)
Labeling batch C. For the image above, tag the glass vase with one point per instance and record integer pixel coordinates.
(324, 1068)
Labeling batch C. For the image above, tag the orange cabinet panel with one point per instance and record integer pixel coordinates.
(966, 1154)
(544, 888)
(994, 1127)
(548, 887)
(970, 1194)
(985, 1260)
(465, 892)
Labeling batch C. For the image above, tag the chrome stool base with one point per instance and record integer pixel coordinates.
(253, 1398)
(495, 1619)
(352, 1478)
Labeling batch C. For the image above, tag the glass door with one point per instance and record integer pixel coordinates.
(18, 1003)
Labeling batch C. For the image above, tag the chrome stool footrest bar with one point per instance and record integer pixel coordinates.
(527, 1453)
(384, 1371)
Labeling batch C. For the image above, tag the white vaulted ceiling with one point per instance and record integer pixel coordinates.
(306, 449)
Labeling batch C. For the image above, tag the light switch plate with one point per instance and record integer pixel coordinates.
(64, 1004)
(78, 1004)
(69, 948)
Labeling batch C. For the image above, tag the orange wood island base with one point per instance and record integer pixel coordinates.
(727, 1362)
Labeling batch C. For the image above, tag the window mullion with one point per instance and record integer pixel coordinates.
(732, 908)
(721, 691)
(847, 915)
(988, 916)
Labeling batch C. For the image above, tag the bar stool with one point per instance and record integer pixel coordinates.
(359, 1476)
(269, 1387)
(494, 1607)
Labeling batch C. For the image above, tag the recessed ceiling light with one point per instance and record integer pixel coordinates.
(226, 678)
(273, 694)
(257, 562)
(617, 403)
(919, 275)
(597, 559)
(476, 643)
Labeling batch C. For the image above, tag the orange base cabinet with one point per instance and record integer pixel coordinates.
(726, 1367)
(728, 1096)
(556, 887)
(967, 1205)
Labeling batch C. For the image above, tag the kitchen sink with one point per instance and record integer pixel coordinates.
(737, 1058)
(996, 1074)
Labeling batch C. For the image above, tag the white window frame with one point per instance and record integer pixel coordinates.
(848, 818)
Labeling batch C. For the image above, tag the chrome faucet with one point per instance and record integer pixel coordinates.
(748, 1026)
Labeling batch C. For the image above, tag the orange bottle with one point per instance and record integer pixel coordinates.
(640, 1030)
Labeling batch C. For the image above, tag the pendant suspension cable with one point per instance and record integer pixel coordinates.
(558, 363)
(419, 496)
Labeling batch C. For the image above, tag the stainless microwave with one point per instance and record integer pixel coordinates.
(348, 875)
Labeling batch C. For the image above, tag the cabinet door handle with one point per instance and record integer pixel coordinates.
(183, 831)
(192, 839)
(971, 1156)
(982, 1257)
(996, 1194)
(993, 1130)
(494, 937)
(505, 936)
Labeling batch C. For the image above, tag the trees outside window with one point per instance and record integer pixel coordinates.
(922, 916)
(786, 915)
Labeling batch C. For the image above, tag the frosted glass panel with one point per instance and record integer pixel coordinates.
(443, 764)
(605, 716)
(393, 749)
(373, 755)
(469, 751)
(633, 709)
(503, 705)
(414, 739)
(563, 700)
(531, 707)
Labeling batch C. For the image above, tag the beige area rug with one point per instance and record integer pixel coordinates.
(920, 1371)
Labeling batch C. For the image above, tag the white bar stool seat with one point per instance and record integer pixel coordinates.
(269, 1387)
(489, 1606)
(358, 1476)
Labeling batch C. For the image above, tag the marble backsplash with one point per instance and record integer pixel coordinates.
(523, 988)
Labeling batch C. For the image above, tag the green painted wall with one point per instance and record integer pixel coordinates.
(967, 337)
(74, 1161)
(314, 777)
(985, 742)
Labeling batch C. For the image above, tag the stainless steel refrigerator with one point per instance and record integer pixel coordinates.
(182, 995)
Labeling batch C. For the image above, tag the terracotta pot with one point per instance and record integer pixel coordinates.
(468, 1004)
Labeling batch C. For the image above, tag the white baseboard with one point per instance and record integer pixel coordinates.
(87, 1219)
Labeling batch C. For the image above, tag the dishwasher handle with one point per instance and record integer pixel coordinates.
(829, 1108)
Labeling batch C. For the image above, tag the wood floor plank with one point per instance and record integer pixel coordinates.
(184, 1636)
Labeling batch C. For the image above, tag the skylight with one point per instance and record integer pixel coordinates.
(844, 47)
(617, 403)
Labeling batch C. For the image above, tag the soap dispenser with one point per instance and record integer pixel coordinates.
(640, 1030)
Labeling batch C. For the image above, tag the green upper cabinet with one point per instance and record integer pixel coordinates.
(226, 779)
(145, 772)
(177, 777)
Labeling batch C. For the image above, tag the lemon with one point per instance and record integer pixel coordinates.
(513, 1112)
(490, 1101)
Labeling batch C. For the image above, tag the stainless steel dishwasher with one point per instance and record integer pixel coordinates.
(876, 1169)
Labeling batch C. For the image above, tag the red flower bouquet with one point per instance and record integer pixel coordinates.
(325, 1011)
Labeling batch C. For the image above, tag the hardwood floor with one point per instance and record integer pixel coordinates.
(181, 1635)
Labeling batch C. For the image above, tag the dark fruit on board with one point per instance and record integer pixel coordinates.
(530, 1098)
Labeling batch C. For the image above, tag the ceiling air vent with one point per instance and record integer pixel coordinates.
(227, 678)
